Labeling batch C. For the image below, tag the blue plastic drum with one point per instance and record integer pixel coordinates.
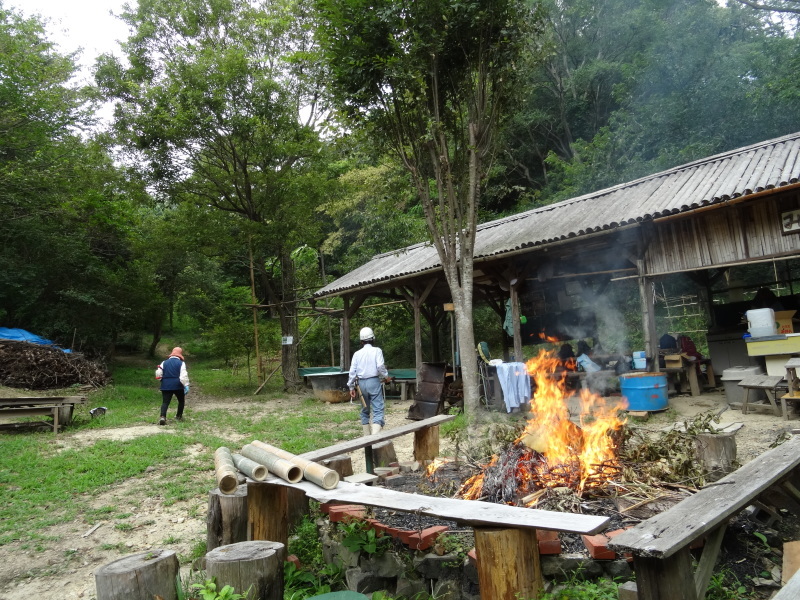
(644, 391)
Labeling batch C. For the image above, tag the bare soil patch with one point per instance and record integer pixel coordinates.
(63, 568)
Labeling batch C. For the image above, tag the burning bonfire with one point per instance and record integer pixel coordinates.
(552, 451)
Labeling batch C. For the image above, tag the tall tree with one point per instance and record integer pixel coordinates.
(220, 102)
(432, 79)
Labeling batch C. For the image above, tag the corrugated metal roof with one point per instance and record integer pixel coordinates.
(713, 180)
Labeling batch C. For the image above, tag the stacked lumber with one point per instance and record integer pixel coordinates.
(37, 367)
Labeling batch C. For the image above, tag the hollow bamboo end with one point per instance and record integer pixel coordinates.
(294, 474)
(260, 473)
(228, 483)
(330, 480)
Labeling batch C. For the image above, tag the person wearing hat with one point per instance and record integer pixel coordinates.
(368, 371)
(174, 381)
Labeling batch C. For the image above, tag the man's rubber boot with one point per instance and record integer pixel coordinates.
(366, 429)
(376, 428)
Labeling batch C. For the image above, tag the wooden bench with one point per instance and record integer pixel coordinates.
(505, 536)
(426, 441)
(770, 385)
(660, 545)
(60, 408)
(791, 591)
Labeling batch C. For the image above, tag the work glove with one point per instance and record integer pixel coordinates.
(185, 389)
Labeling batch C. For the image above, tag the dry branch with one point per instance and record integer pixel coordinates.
(37, 367)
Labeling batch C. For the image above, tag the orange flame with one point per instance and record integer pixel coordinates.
(547, 338)
(587, 449)
(553, 451)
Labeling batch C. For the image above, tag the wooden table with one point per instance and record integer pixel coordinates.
(58, 407)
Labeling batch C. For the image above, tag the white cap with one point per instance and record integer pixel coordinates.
(366, 334)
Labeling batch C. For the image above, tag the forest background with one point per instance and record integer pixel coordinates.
(231, 176)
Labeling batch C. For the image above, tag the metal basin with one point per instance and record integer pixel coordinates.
(330, 387)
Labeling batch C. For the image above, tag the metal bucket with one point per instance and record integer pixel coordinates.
(644, 391)
(330, 387)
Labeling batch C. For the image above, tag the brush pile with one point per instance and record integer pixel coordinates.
(37, 367)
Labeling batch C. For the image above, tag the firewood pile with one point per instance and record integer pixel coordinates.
(37, 367)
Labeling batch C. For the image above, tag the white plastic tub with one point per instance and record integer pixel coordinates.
(761, 322)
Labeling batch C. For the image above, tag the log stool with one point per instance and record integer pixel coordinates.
(255, 566)
(226, 520)
(142, 576)
(342, 464)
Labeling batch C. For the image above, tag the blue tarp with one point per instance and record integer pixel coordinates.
(20, 335)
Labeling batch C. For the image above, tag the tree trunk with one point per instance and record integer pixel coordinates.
(142, 576)
(157, 327)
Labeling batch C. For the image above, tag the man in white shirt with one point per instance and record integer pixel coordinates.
(368, 371)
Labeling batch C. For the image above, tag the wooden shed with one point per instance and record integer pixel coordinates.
(701, 218)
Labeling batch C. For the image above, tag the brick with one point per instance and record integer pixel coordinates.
(346, 512)
(549, 542)
(293, 559)
(616, 532)
(424, 539)
(406, 467)
(597, 545)
(404, 535)
(472, 556)
(393, 480)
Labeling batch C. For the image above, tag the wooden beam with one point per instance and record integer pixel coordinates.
(665, 579)
(268, 511)
(708, 559)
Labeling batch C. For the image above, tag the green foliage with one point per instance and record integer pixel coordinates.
(303, 583)
(358, 536)
(304, 543)
(208, 591)
(725, 585)
(576, 589)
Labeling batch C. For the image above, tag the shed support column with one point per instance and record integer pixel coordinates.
(647, 298)
(508, 563)
(515, 319)
(344, 342)
(417, 334)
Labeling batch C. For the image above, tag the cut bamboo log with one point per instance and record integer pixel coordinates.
(426, 443)
(325, 478)
(250, 468)
(225, 470)
(383, 454)
(278, 466)
(342, 464)
(508, 563)
(226, 519)
(141, 576)
(254, 567)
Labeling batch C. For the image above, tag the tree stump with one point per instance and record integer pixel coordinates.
(226, 520)
(717, 453)
(383, 454)
(268, 512)
(508, 563)
(426, 443)
(342, 464)
(255, 566)
(142, 576)
(298, 506)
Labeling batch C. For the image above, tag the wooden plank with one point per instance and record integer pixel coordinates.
(52, 401)
(469, 512)
(791, 591)
(369, 440)
(666, 533)
(669, 579)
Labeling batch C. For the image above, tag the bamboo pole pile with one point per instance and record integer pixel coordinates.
(257, 460)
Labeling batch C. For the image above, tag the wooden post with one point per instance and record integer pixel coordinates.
(648, 318)
(342, 464)
(226, 519)
(383, 454)
(508, 563)
(514, 292)
(267, 512)
(665, 578)
(426, 443)
(344, 341)
(254, 567)
(298, 506)
(141, 576)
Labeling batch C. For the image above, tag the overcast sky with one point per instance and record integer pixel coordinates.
(85, 24)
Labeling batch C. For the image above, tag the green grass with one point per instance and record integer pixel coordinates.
(43, 484)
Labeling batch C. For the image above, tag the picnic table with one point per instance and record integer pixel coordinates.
(60, 408)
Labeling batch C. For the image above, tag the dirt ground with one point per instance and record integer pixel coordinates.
(64, 569)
